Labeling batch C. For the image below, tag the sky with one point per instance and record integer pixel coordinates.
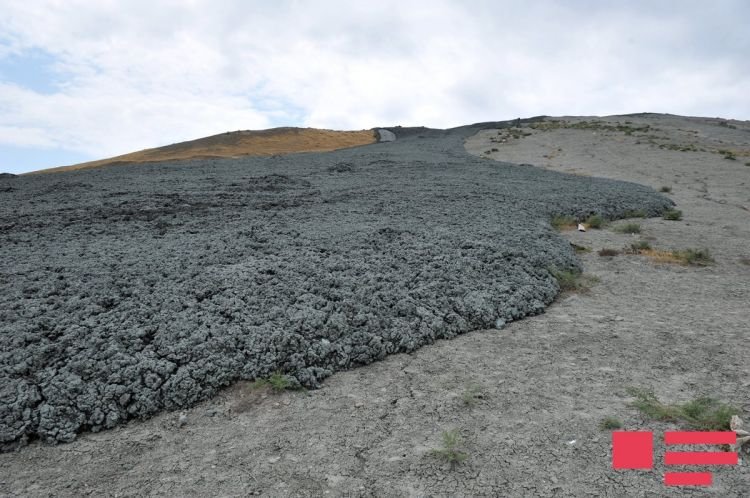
(83, 80)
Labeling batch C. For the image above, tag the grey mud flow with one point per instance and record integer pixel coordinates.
(129, 290)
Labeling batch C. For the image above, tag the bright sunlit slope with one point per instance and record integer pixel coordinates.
(238, 143)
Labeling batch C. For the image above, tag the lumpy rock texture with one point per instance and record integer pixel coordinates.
(133, 289)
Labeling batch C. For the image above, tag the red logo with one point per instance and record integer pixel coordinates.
(634, 450)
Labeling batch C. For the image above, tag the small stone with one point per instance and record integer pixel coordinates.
(182, 420)
(358, 404)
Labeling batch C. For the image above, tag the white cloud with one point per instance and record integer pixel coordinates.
(139, 74)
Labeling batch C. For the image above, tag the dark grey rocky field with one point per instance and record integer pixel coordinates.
(129, 290)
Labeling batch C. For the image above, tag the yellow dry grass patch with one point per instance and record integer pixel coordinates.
(661, 256)
(239, 143)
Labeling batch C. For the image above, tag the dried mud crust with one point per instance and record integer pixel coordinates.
(126, 291)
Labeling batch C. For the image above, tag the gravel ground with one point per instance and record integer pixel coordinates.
(130, 290)
(537, 389)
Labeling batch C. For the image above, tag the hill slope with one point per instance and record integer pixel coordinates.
(238, 143)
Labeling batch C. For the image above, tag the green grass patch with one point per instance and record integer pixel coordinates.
(702, 413)
(595, 221)
(641, 245)
(561, 222)
(573, 281)
(449, 451)
(277, 382)
(628, 228)
(698, 257)
(610, 424)
(672, 215)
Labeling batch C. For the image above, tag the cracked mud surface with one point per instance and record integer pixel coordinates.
(544, 381)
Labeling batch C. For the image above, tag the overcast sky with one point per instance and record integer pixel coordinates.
(82, 80)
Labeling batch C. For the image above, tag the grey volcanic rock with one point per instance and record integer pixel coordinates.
(385, 135)
(128, 290)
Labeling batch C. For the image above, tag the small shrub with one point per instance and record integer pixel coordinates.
(628, 228)
(610, 424)
(561, 222)
(595, 221)
(573, 281)
(728, 154)
(637, 213)
(673, 215)
(641, 245)
(277, 382)
(665, 189)
(471, 394)
(702, 413)
(745, 260)
(747, 163)
(608, 252)
(449, 451)
(698, 257)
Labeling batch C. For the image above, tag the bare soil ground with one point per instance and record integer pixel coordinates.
(526, 400)
(236, 144)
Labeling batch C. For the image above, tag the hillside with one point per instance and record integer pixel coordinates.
(235, 144)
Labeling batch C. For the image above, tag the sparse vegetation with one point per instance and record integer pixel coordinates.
(610, 424)
(695, 257)
(665, 189)
(580, 249)
(636, 213)
(561, 222)
(681, 148)
(595, 221)
(745, 260)
(449, 451)
(471, 394)
(628, 228)
(277, 382)
(641, 245)
(699, 257)
(573, 281)
(608, 252)
(701, 413)
(673, 215)
(628, 129)
(728, 154)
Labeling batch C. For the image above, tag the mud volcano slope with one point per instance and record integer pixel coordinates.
(127, 291)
